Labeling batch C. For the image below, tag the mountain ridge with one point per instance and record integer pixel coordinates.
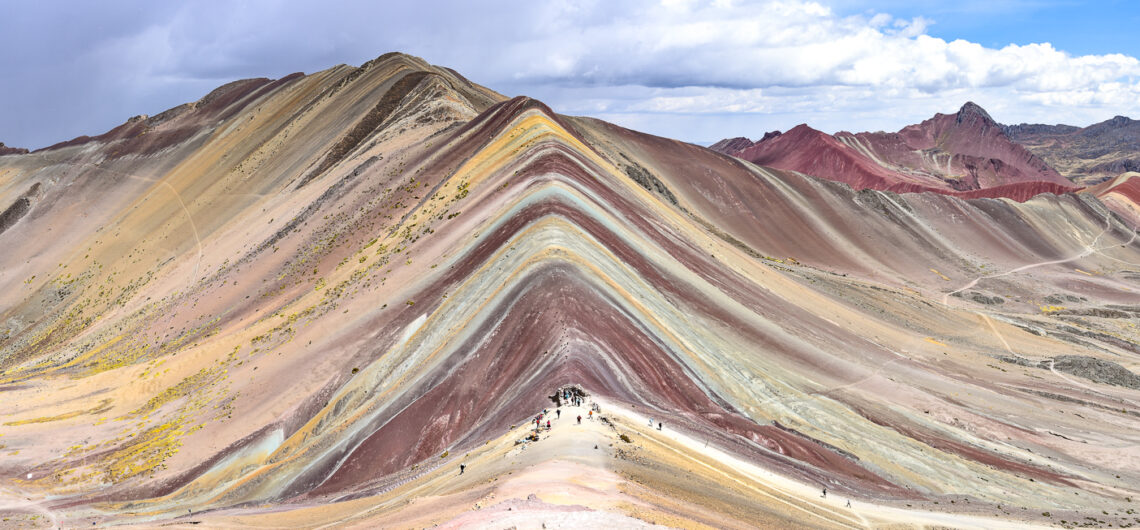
(963, 154)
(1091, 154)
(308, 302)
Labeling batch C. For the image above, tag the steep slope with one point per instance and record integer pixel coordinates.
(1086, 155)
(810, 151)
(316, 303)
(965, 154)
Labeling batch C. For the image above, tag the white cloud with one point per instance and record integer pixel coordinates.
(680, 66)
(788, 43)
(728, 56)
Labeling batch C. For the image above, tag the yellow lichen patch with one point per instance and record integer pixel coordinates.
(102, 407)
(148, 451)
(134, 351)
(94, 352)
(1048, 309)
(935, 342)
(184, 388)
(940, 275)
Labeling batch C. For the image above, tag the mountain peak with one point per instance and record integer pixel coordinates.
(1120, 121)
(972, 110)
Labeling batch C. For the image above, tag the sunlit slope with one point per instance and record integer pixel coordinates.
(335, 279)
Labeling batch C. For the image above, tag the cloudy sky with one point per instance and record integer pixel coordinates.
(694, 70)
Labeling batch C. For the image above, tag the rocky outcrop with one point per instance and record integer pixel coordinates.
(1091, 368)
(5, 150)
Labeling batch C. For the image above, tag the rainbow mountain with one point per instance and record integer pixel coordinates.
(305, 302)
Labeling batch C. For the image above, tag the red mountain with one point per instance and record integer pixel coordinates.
(966, 154)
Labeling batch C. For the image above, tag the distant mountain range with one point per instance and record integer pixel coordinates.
(967, 154)
(1085, 155)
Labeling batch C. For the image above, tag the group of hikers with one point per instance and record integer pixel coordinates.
(574, 398)
(570, 396)
(577, 399)
(540, 415)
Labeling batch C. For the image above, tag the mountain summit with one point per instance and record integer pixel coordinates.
(388, 297)
(973, 113)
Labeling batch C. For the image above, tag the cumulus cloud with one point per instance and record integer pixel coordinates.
(728, 56)
(679, 68)
(789, 43)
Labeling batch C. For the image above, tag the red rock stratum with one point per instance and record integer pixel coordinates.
(305, 302)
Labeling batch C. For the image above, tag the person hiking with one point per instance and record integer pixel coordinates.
(591, 414)
(558, 412)
(548, 425)
(848, 503)
(659, 426)
(825, 493)
(579, 419)
(462, 468)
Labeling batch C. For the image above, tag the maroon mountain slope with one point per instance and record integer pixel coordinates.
(816, 153)
(966, 154)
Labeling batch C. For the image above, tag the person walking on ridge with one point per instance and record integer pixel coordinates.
(462, 468)
(579, 419)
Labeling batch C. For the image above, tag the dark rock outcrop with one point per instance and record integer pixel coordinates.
(5, 150)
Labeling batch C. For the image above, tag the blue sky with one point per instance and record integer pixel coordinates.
(1079, 27)
(688, 69)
